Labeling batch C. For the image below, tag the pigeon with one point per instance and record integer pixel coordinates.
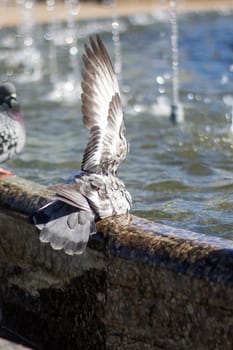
(96, 192)
(12, 131)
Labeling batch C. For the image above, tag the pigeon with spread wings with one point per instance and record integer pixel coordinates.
(97, 192)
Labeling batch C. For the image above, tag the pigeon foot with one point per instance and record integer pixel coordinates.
(5, 172)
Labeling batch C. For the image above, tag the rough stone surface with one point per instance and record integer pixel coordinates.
(139, 285)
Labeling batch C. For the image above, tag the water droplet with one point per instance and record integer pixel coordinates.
(48, 36)
(28, 41)
(162, 89)
(207, 129)
(207, 100)
(69, 86)
(228, 100)
(28, 4)
(138, 108)
(167, 76)
(190, 96)
(198, 97)
(69, 40)
(224, 79)
(73, 50)
(160, 80)
(115, 25)
(50, 3)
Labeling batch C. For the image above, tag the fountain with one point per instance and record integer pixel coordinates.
(28, 57)
(116, 42)
(72, 84)
(177, 112)
(50, 36)
(19, 52)
(165, 106)
(118, 51)
(64, 89)
(228, 100)
(228, 97)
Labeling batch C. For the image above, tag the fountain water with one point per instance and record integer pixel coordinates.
(165, 106)
(228, 100)
(118, 50)
(116, 42)
(29, 58)
(177, 112)
(73, 80)
(50, 36)
(226, 82)
(63, 88)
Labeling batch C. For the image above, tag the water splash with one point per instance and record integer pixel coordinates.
(73, 81)
(177, 112)
(50, 36)
(116, 42)
(65, 88)
(228, 100)
(160, 13)
(28, 56)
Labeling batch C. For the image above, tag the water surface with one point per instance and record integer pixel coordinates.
(180, 175)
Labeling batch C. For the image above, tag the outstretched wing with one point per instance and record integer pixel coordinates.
(102, 111)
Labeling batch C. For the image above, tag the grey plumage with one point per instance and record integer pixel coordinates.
(96, 192)
(12, 132)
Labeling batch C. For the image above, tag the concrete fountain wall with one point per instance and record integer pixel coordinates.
(139, 285)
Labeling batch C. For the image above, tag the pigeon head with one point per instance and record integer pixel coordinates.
(9, 101)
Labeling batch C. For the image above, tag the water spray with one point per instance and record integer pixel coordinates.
(177, 113)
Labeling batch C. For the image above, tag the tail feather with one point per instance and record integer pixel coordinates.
(65, 227)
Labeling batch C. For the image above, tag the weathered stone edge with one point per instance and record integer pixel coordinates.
(134, 238)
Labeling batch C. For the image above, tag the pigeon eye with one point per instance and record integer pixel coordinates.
(13, 102)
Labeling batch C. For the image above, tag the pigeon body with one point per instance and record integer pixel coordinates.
(96, 191)
(12, 132)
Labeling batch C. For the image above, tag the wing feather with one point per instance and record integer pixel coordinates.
(102, 111)
(70, 195)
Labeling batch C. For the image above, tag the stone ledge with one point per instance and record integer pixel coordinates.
(139, 285)
(131, 237)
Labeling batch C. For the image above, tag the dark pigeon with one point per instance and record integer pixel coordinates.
(12, 131)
